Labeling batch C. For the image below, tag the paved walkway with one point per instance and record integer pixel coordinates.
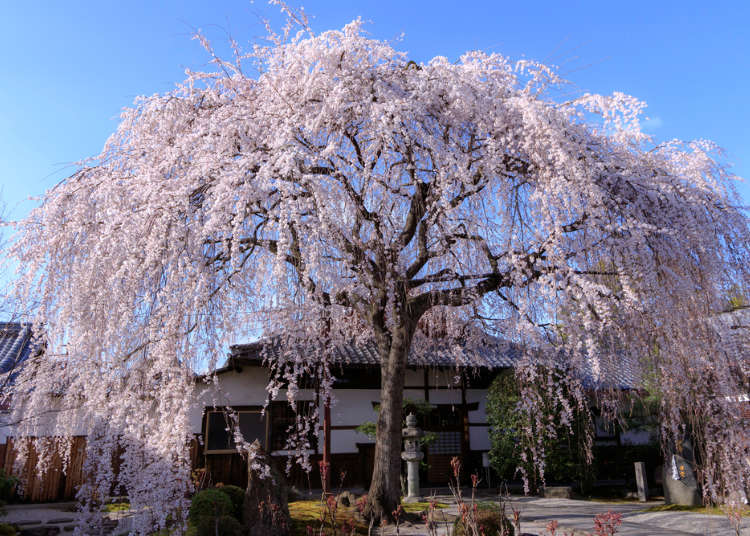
(51, 518)
(578, 516)
(28, 516)
(536, 513)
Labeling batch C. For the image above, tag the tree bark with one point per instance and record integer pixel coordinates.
(384, 495)
(265, 511)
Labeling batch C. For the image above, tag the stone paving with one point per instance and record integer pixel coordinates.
(577, 516)
(536, 513)
(41, 518)
(48, 519)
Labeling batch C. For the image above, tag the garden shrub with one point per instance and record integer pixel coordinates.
(7, 530)
(490, 520)
(505, 421)
(7, 486)
(208, 505)
(237, 495)
(227, 526)
(565, 459)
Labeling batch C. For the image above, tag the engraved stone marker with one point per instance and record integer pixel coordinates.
(641, 481)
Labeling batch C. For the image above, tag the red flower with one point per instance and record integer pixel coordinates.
(456, 466)
(606, 524)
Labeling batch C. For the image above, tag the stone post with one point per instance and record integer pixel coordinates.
(412, 455)
(641, 481)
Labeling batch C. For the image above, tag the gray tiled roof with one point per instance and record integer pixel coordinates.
(493, 353)
(16, 345)
(734, 330)
(616, 374)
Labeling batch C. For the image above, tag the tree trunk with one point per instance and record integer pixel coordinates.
(265, 511)
(384, 495)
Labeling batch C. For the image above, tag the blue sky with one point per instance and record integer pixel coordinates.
(69, 67)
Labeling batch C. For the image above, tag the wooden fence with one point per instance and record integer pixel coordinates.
(54, 485)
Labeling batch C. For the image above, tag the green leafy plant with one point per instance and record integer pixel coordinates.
(564, 461)
(420, 408)
(237, 495)
(8, 485)
(220, 526)
(505, 421)
(208, 506)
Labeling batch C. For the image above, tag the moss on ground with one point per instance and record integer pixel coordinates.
(419, 507)
(116, 507)
(308, 512)
(708, 510)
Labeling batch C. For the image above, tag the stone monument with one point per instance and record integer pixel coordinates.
(680, 484)
(412, 455)
(641, 481)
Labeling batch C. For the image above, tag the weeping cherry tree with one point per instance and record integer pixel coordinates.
(341, 194)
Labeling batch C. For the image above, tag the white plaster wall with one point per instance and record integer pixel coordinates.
(351, 407)
(246, 388)
(47, 423)
(479, 437)
(638, 437)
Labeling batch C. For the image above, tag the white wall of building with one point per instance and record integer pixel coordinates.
(350, 407)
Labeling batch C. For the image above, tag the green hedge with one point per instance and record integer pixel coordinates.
(237, 495)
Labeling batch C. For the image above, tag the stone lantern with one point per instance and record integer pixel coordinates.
(412, 455)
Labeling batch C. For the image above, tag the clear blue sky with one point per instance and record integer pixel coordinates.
(70, 66)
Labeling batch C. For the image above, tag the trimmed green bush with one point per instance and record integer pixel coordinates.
(227, 526)
(209, 504)
(491, 522)
(7, 530)
(237, 495)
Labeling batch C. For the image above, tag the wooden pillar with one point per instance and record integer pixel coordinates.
(426, 385)
(327, 443)
(465, 420)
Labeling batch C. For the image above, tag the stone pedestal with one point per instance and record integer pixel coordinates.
(412, 455)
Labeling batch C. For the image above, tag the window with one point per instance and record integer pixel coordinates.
(283, 418)
(446, 421)
(219, 436)
(253, 425)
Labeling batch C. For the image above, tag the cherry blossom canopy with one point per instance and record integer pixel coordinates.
(344, 193)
